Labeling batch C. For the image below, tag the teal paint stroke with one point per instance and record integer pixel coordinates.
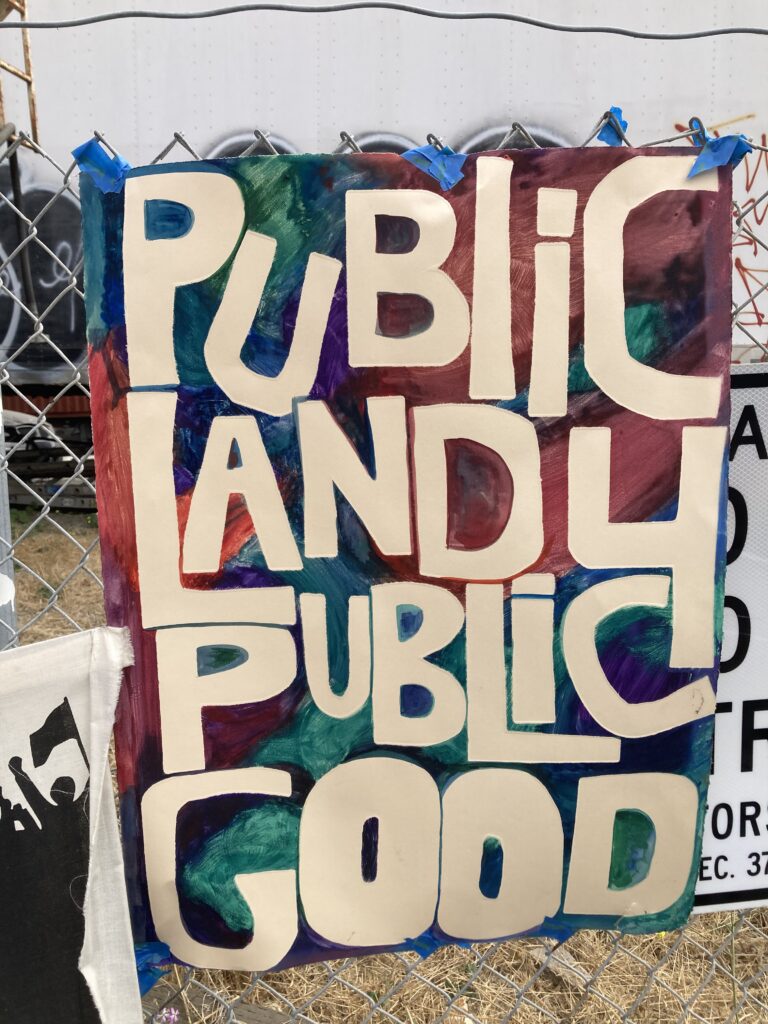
(261, 839)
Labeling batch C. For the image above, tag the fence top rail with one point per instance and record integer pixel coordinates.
(392, 6)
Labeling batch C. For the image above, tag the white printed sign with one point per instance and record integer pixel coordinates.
(733, 873)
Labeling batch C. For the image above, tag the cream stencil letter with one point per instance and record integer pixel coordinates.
(398, 662)
(643, 389)
(517, 810)
(314, 631)
(270, 668)
(671, 803)
(254, 479)
(234, 318)
(605, 705)
(513, 438)
(270, 895)
(556, 214)
(687, 544)
(154, 268)
(399, 902)
(164, 601)
(371, 273)
(330, 463)
(491, 370)
(489, 737)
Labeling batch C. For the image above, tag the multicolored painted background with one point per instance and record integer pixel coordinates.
(677, 285)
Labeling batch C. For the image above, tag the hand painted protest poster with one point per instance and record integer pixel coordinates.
(414, 501)
(65, 941)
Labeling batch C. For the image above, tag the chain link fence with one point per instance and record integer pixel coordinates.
(713, 970)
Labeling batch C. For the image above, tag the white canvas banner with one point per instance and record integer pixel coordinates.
(66, 951)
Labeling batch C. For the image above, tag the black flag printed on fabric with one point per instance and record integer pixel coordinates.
(58, 727)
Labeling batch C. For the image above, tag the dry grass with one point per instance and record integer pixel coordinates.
(711, 972)
(57, 569)
(595, 978)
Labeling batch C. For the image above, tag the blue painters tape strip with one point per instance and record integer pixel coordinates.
(728, 149)
(441, 164)
(151, 957)
(608, 132)
(107, 172)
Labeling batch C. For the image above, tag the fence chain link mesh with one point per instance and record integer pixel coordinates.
(713, 970)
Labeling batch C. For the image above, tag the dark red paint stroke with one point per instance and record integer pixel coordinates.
(109, 411)
(231, 732)
(480, 494)
(137, 723)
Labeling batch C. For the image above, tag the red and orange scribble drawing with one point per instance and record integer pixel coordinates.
(750, 252)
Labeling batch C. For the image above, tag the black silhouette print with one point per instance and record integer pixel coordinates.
(44, 841)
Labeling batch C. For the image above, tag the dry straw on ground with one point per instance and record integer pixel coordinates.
(713, 971)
